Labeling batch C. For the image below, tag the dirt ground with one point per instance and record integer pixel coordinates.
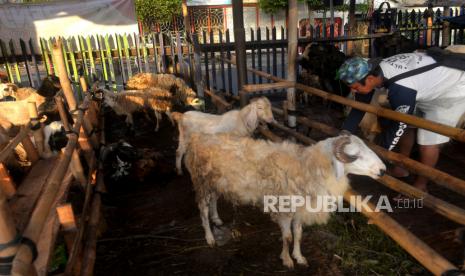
(153, 227)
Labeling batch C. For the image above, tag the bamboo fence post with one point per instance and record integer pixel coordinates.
(63, 75)
(412, 244)
(38, 133)
(6, 151)
(68, 223)
(7, 184)
(291, 59)
(31, 151)
(77, 170)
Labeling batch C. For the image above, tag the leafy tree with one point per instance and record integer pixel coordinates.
(273, 6)
(157, 11)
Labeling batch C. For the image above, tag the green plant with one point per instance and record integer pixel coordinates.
(273, 6)
(59, 258)
(157, 11)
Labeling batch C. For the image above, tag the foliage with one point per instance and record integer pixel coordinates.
(273, 6)
(157, 11)
(59, 259)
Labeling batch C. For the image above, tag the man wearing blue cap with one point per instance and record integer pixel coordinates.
(436, 94)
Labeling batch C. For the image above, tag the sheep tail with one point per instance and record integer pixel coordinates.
(177, 116)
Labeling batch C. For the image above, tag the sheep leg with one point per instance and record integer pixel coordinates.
(285, 225)
(296, 253)
(129, 120)
(158, 117)
(214, 210)
(181, 150)
(168, 113)
(203, 207)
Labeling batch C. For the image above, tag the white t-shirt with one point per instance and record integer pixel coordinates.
(440, 84)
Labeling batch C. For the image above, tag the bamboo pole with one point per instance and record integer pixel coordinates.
(250, 88)
(218, 99)
(7, 184)
(7, 150)
(77, 170)
(31, 151)
(63, 75)
(411, 243)
(441, 178)
(452, 132)
(38, 133)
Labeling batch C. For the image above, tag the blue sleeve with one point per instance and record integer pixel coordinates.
(402, 99)
(355, 116)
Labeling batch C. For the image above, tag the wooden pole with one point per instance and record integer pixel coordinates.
(77, 170)
(63, 75)
(7, 227)
(291, 61)
(239, 38)
(31, 151)
(452, 132)
(43, 151)
(446, 28)
(7, 184)
(7, 150)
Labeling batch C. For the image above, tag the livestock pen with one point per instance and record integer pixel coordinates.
(160, 215)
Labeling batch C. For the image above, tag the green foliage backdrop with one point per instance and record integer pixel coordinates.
(160, 11)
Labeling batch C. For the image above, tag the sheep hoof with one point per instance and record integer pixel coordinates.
(288, 262)
(179, 171)
(210, 240)
(301, 261)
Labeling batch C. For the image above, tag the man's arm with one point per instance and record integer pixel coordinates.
(355, 116)
(402, 99)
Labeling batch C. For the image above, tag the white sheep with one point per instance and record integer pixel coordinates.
(183, 94)
(238, 122)
(128, 102)
(244, 170)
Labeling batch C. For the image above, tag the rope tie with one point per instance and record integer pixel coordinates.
(6, 262)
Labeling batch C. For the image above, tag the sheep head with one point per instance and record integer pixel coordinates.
(351, 155)
(262, 106)
(49, 87)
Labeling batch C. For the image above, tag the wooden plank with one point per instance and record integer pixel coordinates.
(259, 54)
(162, 52)
(26, 64)
(173, 59)
(228, 55)
(100, 46)
(252, 38)
(65, 56)
(34, 61)
(139, 60)
(46, 242)
(127, 54)
(144, 53)
(6, 61)
(90, 54)
(14, 60)
(45, 56)
(156, 68)
(283, 38)
(53, 67)
(111, 68)
(223, 80)
(120, 58)
(267, 86)
(82, 50)
(213, 61)
(29, 190)
(207, 72)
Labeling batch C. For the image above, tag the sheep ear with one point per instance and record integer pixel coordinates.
(338, 168)
(251, 118)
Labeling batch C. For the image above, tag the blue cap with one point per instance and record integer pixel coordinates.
(353, 70)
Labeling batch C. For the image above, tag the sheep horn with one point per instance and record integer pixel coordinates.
(338, 150)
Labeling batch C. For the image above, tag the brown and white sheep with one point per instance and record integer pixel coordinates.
(244, 171)
(237, 122)
(127, 102)
(183, 94)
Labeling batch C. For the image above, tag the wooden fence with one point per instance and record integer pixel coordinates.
(30, 221)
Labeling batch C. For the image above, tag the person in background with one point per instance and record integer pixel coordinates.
(437, 95)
